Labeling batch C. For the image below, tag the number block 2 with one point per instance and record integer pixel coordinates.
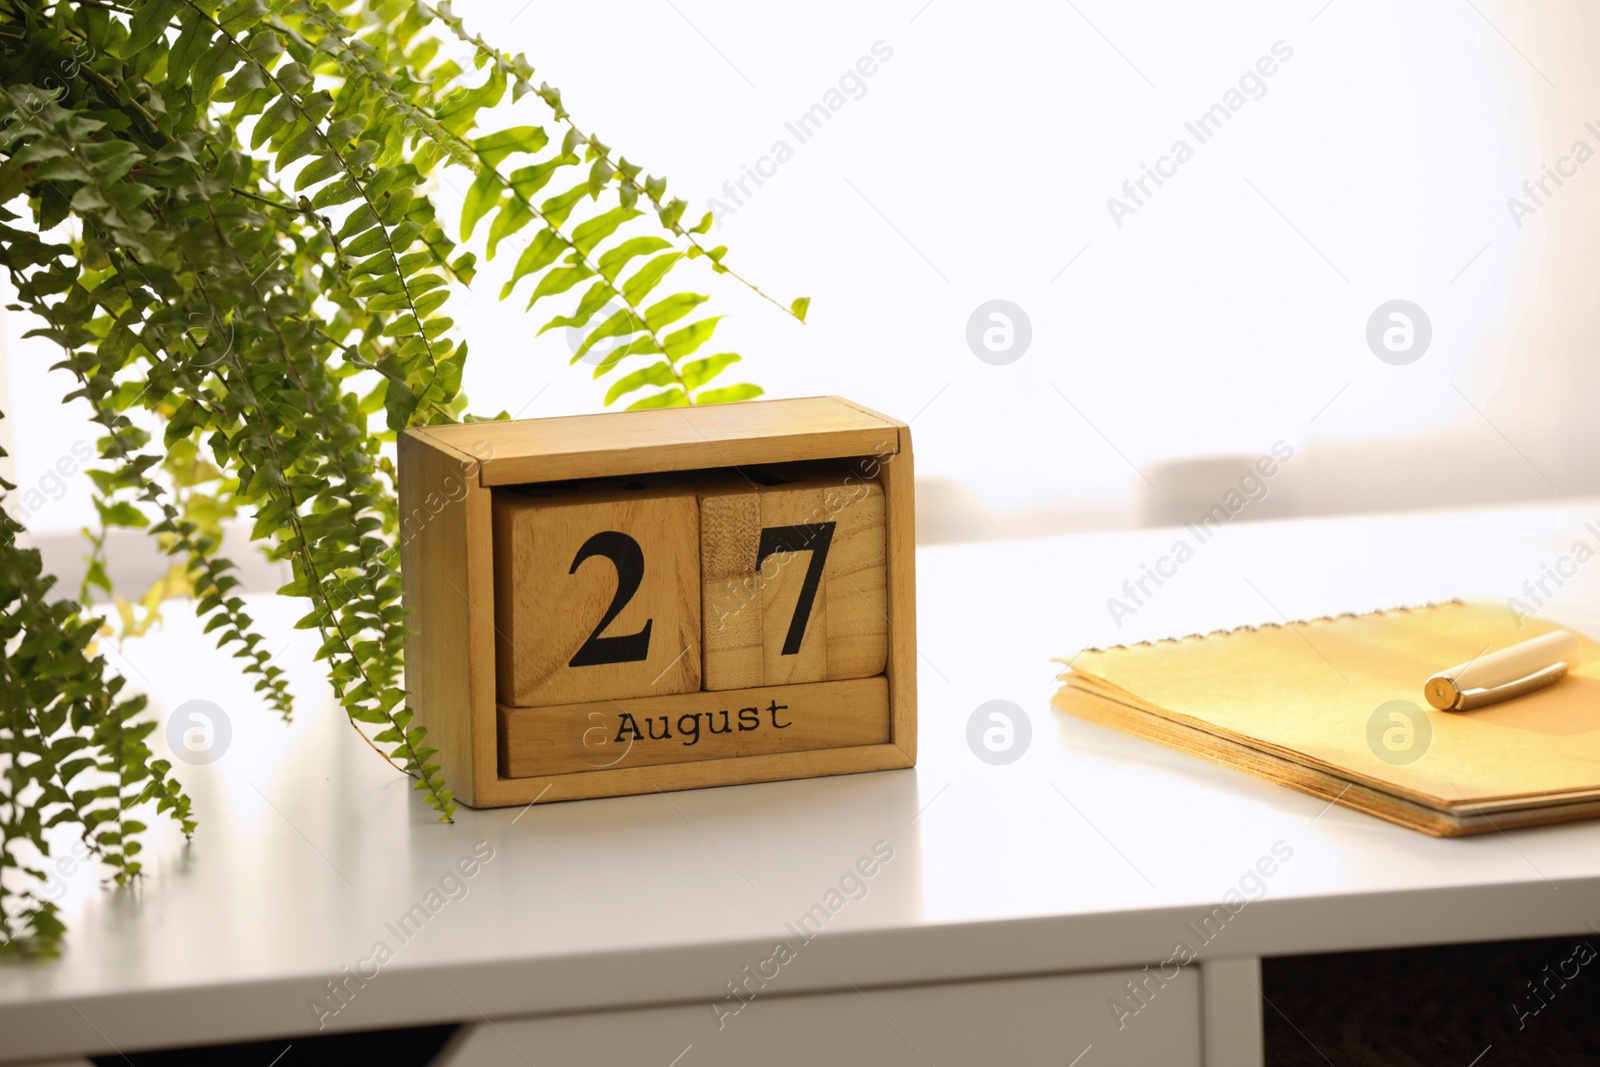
(596, 594)
(793, 576)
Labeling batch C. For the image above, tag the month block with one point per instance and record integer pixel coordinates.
(691, 727)
(595, 591)
(793, 578)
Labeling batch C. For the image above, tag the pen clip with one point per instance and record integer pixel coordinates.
(1468, 699)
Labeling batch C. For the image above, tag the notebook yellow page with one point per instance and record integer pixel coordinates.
(1300, 703)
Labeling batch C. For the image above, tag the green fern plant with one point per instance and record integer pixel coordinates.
(224, 215)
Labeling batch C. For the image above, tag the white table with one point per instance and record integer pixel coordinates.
(1018, 901)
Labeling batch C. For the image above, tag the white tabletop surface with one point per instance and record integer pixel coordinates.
(1092, 850)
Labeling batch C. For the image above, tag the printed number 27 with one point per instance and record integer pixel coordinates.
(814, 537)
(626, 555)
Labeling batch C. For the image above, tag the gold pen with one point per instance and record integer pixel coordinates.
(1511, 672)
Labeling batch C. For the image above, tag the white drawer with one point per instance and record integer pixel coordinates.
(1050, 1019)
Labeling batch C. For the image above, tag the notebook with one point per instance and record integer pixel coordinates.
(1333, 707)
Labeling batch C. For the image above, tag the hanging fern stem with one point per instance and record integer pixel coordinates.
(80, 814)
(293, 209)
(106, 85)
(33, 629)
(199, 556)
(610, 283)
(468, 154)
(96, 708)
(323, 223)
(402, 24)
(112, 735)
(335, 459)
(422, 122)
(322, 599)
(328, 616)
(419, 119)
(344, 164)
(479, 165)
(303, 552)
(108, 716)
(670, 213)
(305, 210)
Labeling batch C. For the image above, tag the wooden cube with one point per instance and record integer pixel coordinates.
(595, 592)
(793, 575)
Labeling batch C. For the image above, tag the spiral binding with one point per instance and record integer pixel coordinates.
(1453, 601)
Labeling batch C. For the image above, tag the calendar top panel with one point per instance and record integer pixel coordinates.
(665, 439)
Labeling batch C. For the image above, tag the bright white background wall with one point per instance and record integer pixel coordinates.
(1228, 313)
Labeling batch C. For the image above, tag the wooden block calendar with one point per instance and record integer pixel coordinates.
(620, 603)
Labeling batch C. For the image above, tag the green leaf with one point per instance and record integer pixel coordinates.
(513, 216)
(700, 371)
(599, 174)
(149, 22)
(241, 15)
(591, 233)
(122, 513)
(612, 263)
(318, 170)
(800, 307)
(592, 301)
(684, 342)
(672, 398)
(527, 181)
(556, 209)
(399, 402)
(193, 40)
(428, 303)
(673, 308)
(220, 58)
(301, 144)
(373, 240)
(358, 220)
(559, 281)
(341, 133)
(640, 346)
(265, 46)
(272, 120)
(620, 324)
(334, 193)
(539, 254)
(655, 374)
(495, 147)
(647, 277)
(728, 394)
(247, 79)
(450, 370)
(482, 196)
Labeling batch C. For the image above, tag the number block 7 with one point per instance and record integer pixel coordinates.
(793, 576)
(596, 593)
